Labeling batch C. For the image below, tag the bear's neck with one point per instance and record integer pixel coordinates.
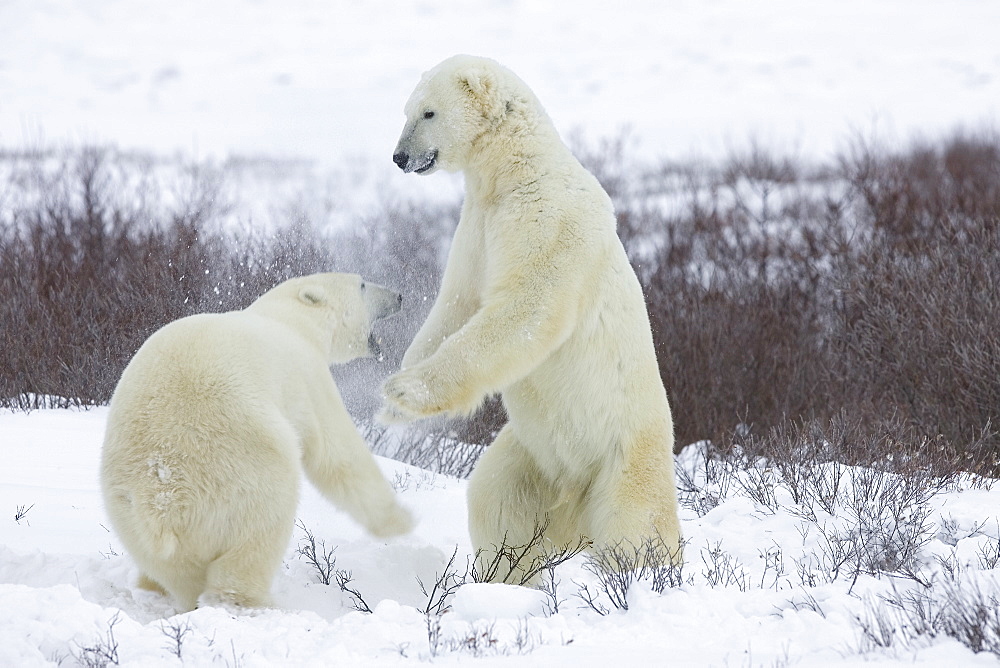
(292, 317)
(504, 159)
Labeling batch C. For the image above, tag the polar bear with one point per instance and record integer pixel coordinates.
(538, 302)
(211, 424)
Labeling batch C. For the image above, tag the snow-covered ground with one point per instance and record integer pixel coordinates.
(320, 86)
(756, 590)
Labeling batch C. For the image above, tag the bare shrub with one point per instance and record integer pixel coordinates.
(808, 602)
(478, 639)
(989, 554)
(779, 289)
(888, 521)
(971, 615)
(433, 447)
(773, 559)
(757, 478)
(735, 352)
(324, 563)
(518, 564)
(445, 584)
(316, 554)
(916, 338)
(907, 195)
(176, 631)
(812, 460)
(618, 567)
(344, 579)
(549, 585)
(717, 281)
(22, 513)
(735, 287)
(523, 564)
(965, 610)
(877, 512)
(705, 484)
(104, 651)
(722, 569)
(919, 299)
(878, 629)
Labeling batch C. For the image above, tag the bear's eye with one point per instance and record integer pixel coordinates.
(362, 285)
(428, 114)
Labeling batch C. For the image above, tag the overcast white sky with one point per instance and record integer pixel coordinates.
(327, 80)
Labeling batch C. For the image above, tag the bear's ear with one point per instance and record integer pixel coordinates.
(482, 85)
(313, 295)
(480, 82)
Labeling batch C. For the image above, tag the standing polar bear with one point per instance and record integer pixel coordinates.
(212, 423)
(538, 302)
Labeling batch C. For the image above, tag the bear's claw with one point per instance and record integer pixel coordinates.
(392, 415)
(407, 398)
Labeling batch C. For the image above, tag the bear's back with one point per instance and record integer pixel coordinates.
(198, 363)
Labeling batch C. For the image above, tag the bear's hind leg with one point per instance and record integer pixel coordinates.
(149, 584)
(635, 510)
(182, 579)
(242, 576)
(509, 502)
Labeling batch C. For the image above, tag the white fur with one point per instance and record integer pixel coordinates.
(538, 302)
(214, 420)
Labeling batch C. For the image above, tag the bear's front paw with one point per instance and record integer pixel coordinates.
(389, 415)
(395, 522)
(407, 397)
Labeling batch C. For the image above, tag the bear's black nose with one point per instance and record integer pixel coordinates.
(400, 159)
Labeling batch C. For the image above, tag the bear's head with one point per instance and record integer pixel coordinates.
(341, 308)
(456, 103)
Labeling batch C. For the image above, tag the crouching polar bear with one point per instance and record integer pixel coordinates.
(538, 302)
(211, 424)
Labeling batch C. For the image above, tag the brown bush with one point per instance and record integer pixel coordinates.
(918, 336)
(778, 290)
(908, 197)
(736, 289)
(781, 290)
(88, 275)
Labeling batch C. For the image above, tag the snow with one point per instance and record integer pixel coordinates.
(476, 601)
(302, 102)
(327, 81)
(64, 578)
